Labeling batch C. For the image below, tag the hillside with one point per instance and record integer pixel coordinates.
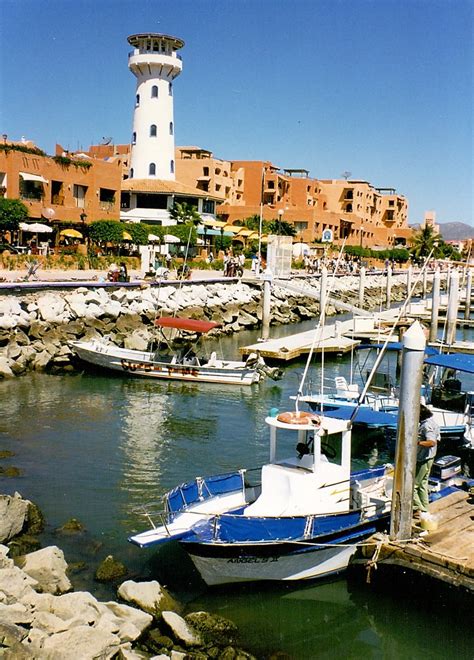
(456, 231)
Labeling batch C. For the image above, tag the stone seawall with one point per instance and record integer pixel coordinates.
(36, 326)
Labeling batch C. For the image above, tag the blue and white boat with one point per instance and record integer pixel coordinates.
(302, 519)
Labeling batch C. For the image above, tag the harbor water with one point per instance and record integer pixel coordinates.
(103, 449)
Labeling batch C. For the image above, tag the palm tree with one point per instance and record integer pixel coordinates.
(282, 228)
(185, 213)
(423, 241)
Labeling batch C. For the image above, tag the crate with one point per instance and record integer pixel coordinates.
(446, 467)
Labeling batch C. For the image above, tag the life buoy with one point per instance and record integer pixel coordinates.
(299, 417)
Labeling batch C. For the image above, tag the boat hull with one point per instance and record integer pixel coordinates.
(143, 364)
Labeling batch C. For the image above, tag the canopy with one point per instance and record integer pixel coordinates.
(216, 224)
(169, 238)
(458, 361)
(394, 346)
(70, 233)
(26, 176)
(365, 416)
(213, 232)
(35, 228)
(127, 236)
(191, 325)
(153, 237)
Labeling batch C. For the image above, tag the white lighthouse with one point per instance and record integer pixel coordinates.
(156, 63)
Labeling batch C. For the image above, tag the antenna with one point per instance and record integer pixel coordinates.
(345, 175)
(106, 140)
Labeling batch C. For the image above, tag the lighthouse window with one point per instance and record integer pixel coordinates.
(134, 138)
(171, 128)
(137, 100)
(154, 92)
(172, 167)
(152, 169)
(153, 130)
(170, 89)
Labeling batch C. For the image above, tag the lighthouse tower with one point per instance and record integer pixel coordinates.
(156, 63)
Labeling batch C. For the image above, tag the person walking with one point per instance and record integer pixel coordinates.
(428, 438)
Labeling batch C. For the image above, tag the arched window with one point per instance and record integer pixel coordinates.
(170, 89)
(137, 100)
(154, 92)
(134, 138)
(131, 173)
(153, 130)
(152, 169)
(171, 128)
(172, 167)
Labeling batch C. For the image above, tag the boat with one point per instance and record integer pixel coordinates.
(176, 358)
(300, 517)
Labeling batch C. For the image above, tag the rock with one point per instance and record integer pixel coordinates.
(23, 544)
(11, 634)
(72, 526)
(137, 340)
(148, 596)
(110, 569)
(181, 631)
(80, 643)
(129, 617)
(5, 561)
(6, 453)
(156, 642)
(49, 623)
(34, 519)
(5, 368)
(13, 514)
(213, 629)
(10, 471)
(48, 568)
(50, 307)
(15, 614)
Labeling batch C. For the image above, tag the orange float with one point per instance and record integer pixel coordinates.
(299, 417)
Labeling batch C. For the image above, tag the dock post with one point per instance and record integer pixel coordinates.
(409, 281)
(453, 304)
(467, 308)
(413, 354)
(425, 282)
(388, 294)
(435, 296)
(266, 304)
(362, 287)
(323, 284)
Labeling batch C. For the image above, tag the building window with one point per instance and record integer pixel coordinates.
(153, 130)
(172, 167)
(205, 171)
(79, 194)
(106, 199)
(137, 100)
(152, 169)
(57, 193)
(208, 206)
(134, 138)
(170, 89)
(171, 128)
(154, 92)
(125, 200)
(131, 172)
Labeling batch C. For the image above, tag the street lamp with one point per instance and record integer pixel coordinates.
(361, 234)
(280, 217)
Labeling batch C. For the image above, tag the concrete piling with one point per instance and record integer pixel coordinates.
(435, 296)
(388, 290)
(361, 287)
(453, 305)
(467, 308)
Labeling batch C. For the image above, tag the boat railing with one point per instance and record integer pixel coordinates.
(188, 494)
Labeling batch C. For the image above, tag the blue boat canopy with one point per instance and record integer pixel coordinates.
(458, 361)
(395, 346)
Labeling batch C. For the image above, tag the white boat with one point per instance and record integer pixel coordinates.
(302, 519)
(183, 364)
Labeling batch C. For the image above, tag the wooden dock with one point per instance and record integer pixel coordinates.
(446, 554)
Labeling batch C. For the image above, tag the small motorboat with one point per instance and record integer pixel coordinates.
(183, 363)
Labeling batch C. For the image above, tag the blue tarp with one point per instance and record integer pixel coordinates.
(458, 361)
(395, 346)
(365, 416)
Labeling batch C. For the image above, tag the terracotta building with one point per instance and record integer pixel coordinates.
(61, 188)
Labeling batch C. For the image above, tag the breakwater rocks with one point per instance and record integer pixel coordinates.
(42, 617)
(36, 326)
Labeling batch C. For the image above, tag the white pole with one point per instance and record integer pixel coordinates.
(453, 304)
(266, 305)
(409, 279)
(323, 284)
(407, 432)
(389, 288)
(467, 309)
(361, 287)
(435, 296)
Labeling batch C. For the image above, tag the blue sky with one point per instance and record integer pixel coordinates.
(380, 88)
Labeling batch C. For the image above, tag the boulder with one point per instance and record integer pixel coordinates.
(148, 596)
(181, 630)
(138, 340)
(15, 614)
(110, 569)
(5, 561)
(11, 634)
(13, 514)
(5, 370)
(125, 621)
(48, 568)
(50, 307)
(78, 605)
(80, 643)
(213, 629)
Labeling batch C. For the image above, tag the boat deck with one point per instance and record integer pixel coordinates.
(446, 554)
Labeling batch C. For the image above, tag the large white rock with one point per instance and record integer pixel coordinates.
(5, 372)
(79, 605)
(48, 567)
(8, 322)
(181, 630)
(49, 623)
(148, 596)
(5, 561)
(50, 306)
(15, 613)
(80, 643)
(13, 511)
(9, 306)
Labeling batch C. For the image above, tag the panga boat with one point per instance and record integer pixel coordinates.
(302, 519)
(177, 364)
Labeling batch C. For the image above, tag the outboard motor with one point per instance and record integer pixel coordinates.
(256, 361)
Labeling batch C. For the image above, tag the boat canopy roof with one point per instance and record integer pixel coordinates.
(190, 325)
(395, 346)
(457, 361)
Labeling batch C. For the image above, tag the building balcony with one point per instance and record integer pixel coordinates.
(106, 206)
(58, 200)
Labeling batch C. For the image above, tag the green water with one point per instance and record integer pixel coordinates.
(102, 448)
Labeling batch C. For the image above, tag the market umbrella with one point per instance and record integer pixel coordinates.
(169, 238)
(71, 233)
(127, 236)
(36, 228)
(153, 237)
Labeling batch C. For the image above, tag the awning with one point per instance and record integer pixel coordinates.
(26, 176)
(191, 325)
(233, 228)
(216, 224)
(457, 361)
(213, 232)
(169, 238)
(153, 237)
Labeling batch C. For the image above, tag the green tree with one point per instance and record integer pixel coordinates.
(281, 228)
(12, 212)
(423, 241)
(253, 223)
(185, 213)
(107, 231)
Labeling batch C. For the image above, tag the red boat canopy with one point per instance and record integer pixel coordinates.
(191, 325)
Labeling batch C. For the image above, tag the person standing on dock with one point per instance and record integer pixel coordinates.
(428, 438)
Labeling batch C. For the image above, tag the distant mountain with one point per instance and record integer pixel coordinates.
(453, 231)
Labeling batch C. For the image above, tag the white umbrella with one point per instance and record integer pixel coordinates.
(153, 237)
(169, 238)
(36, 228)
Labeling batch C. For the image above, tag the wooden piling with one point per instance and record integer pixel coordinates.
(435, 296)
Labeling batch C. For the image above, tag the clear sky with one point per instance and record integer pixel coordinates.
(380, 88)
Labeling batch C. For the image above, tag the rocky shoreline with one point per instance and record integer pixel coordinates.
(36, 326)
(41, 616)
